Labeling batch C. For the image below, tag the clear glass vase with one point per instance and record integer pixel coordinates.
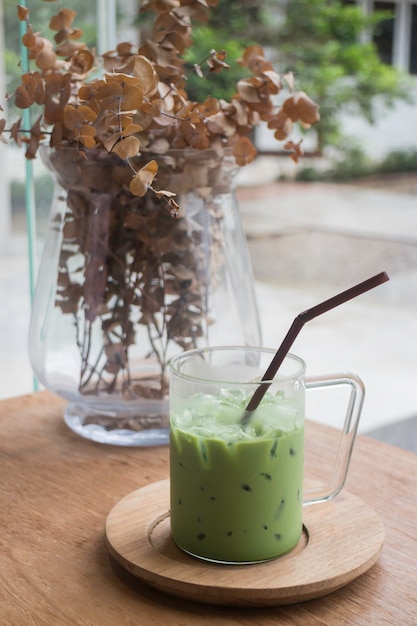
(123, 286)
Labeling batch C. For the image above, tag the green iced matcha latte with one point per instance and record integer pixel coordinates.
(236, 491)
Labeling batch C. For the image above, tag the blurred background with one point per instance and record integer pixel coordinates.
(347, 211)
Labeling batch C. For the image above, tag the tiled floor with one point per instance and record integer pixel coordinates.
(308, 242)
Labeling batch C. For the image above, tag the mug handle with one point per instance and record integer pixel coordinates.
(348, 433)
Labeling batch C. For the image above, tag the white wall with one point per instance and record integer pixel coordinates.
(396, 130)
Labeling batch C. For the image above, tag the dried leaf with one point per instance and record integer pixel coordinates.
(74, 117)
(57, 94)
(63, 19)
(296, 150)
(216, 61)
(82, 62)
(244, 151)
(109, 142)
(174, 208)
(248, 89)
(198, 70)
(307, 109)
(2, 127)
(86, 135)
(23, 97)
(127, 148)
(15, 133)
(301, 107)
(275, 84)
(143, 179)
(67, 48)
(30, 91)
(46, 60)
(38, 88)
(144, 71)
(22, 12)
(36, 136)
(29, 38)
(131, 129)
(131, 98)
(289, 78)
(211, 107)
(254, 59)
(282, 124)
(160, 5)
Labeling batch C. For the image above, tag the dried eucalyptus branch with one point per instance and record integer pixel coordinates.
(122, 146)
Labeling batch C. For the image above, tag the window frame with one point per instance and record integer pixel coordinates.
(402, 30)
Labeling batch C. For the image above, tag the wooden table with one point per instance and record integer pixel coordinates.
(57, 489)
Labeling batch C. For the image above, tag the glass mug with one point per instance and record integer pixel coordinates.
(236, 490)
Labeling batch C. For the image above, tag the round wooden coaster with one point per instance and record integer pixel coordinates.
(342, 539)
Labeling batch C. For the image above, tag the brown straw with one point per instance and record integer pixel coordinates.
(295, 328)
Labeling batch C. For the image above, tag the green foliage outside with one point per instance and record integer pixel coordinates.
(229, 20)
(40, 14)
(228, 29)
(221, 85)
(355, 165)
(322, 42)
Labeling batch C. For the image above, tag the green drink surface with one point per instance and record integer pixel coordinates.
(236, 492)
